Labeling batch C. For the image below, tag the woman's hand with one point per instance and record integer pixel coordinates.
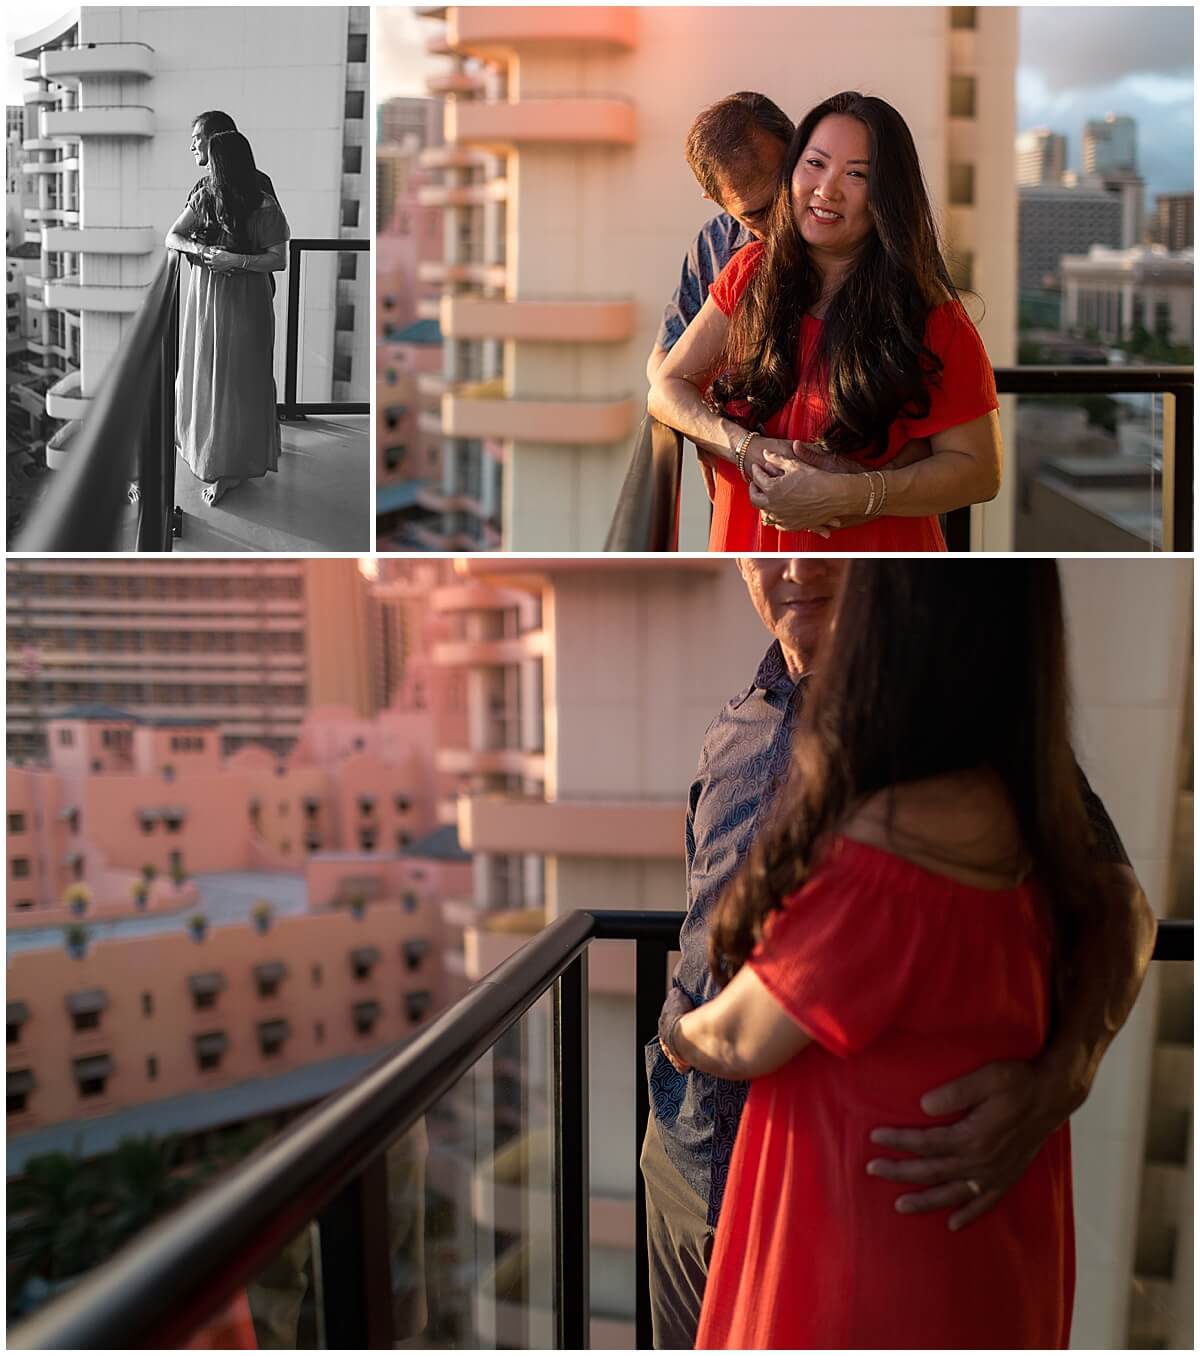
(678, 1004)
(222, 261)
(771, 456)
(796, 497)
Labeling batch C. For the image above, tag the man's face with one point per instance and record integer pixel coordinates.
(794, 597)
(199, 147)
(748, 191)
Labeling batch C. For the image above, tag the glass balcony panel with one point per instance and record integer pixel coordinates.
(334, 337)
(1089, 473)
(471, 1196)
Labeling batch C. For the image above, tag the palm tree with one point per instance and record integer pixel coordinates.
(141, 1183)
(52, 1212)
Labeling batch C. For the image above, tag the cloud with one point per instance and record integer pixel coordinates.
(1081, 48)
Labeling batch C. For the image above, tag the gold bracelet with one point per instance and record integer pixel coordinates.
(870, 495)
(739, 455)
(882, 494)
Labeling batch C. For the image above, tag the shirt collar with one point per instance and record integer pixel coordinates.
(772, 677)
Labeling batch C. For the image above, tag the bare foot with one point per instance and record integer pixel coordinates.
(210, 494)
(134, 493)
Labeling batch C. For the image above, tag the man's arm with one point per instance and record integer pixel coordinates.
(1012, 1107)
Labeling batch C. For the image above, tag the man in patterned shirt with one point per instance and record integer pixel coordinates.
(1006, 1110)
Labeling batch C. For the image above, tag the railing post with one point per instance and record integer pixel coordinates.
(572, 1224)
(651, 974)
(1178, 467)
(356, 1272)
(292, 352)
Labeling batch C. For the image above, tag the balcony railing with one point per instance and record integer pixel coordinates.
(293, 407)
(330, 1168)
(647, 512)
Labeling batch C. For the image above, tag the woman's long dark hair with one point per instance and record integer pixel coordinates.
(232, 191)
(930, 670)
(872, 341)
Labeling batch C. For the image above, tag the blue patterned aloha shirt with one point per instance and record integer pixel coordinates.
(711, 250)
(743, 765)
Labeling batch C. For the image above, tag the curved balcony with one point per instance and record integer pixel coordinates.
(65, 399)
(41, 96)
(439, 157)
(481, 275)
(103, 239)
(505, 125)
(505, 762)
(69, 65)
(463, 195)
(647, 830)
(58, 449)
(567, 422)
(43, 214)
(69, 294)
(39, 144)
(42, 166)
(454, 654)
(454, 82)
(547, 322)
(126, 120)
(493, 31)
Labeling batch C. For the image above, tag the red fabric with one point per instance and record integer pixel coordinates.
(905, 980)
(967, 391)
(230, 1330)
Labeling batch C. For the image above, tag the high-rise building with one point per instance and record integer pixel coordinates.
(1058, 219)
(1110, 145)
(1172, 224)
(570, 205)
(401, 119)
(247, 644)
(111, 94)
(1041, 156)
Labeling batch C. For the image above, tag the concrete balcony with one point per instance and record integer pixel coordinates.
(503, 126)
(489, 653)
(432, 385)
(430, 421)
(41, 167)
(43, 214)
(69, 65)
(132, 120)
(427, 308)
(454, 82)
(39, 144)
(494, 31)
(505, 762)
(58, 452)
(69, 294)
(463, 195)
(568, 422)
(441, 157)
(545, 322)
(481, 275)
(41, 96)
(475, 597)
(103, 239)
(64, 399)
(645, 830)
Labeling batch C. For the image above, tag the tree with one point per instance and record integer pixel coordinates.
(52, 1220)
(140, 1183)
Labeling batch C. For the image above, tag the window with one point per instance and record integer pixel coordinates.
(319, 1032)
(349, 212)
(272, 1035)
(365, 1016)
(393, 456)
(20, 1085)
(409, 901)
(210, 1048)
(22, 904)
(962, 16)
(92, 1074)
(362, 960)
(344, 316)
(356, 47)
(20, 868)
(316, 976)
(366, 839)
(205, 988)
(66, 737)
(16, 823)
(152, 1067)
(962, 96)
(355, 103)
(268, 978)
(147, 1005)
(347, 266)
(86, 1021)
(962, 184)
(18, 1015)
(416, 1005)
(351, 159)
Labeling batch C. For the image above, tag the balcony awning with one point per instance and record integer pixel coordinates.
(172, 812)
(417, 1004)
(415, 950)
(278, 1029)
(93, 1066)
(365, 956)
(148, 816)
(270, 972)
(366, 804)
(211, 981)
(18, 1012)
(86, 1001)
(20, 1080)
(211, 1043)
(366, 1012)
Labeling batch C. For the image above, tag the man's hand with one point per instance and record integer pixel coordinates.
(676, 1006)
(1010, 1112)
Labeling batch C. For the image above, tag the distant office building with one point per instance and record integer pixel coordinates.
(1110, 145)
(1058, 219)
(111, 95)
(247, 644)
(1041, 156)
(570, 205)
(1115, 292)
(399, 120)
(1171, 224)
(1130, 191)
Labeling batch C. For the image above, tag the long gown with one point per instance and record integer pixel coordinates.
(225, 420)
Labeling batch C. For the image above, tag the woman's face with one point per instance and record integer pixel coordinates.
(829, 186)
(199, 147)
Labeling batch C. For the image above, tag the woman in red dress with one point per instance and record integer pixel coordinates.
(903, 920)
(836, 346)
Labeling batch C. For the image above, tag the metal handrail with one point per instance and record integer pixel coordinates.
(292, 407)
(646, 517)
(159, 1288)
(81, 510)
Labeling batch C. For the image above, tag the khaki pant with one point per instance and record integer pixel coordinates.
(680, 1244)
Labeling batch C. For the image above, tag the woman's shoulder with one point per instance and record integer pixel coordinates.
(732, 281)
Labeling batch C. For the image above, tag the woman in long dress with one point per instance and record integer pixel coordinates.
(235, 236)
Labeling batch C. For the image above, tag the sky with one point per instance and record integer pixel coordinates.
(1075, 63)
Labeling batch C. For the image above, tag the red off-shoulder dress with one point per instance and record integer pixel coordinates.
(905, 980)
(967, 390)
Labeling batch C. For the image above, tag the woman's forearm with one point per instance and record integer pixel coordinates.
(946, 480)
(268, 262)
(183, 244)
(678, 403)
(708, 1040)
